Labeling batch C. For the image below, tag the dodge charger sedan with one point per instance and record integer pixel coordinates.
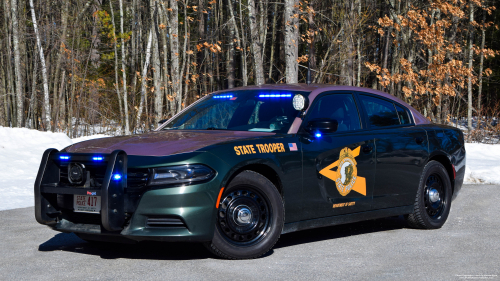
(240, 167)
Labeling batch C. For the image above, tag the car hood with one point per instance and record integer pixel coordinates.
(161, 143)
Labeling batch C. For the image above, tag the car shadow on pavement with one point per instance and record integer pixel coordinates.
(143, 250)
(193, 251)
(340, 231)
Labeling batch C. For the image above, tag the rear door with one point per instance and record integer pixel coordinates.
(401, 151)
(339, 167)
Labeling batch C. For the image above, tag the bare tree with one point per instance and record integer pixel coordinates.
(469, 79)
(124, 72)
(258, 63)
(291, 41)
(17, 65)
(46, 101)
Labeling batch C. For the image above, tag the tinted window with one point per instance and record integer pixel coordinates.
(340, 107)
(380, 113)
(404, 118)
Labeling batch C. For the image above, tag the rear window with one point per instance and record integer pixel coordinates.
(380, 113)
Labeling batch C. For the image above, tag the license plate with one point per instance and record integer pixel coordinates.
(87, 204)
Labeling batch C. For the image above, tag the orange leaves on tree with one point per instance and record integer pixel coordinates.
(303, 58)
(437, 69)
(215, 48)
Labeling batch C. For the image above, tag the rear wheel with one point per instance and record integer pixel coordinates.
(433, 199)
(249, 218)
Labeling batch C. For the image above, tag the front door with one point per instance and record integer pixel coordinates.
(339, 167)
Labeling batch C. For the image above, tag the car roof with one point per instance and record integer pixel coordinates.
(316, 89)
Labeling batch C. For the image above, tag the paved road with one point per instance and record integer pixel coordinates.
(467, 246)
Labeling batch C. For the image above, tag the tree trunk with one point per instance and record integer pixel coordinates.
(64, 24)
(117, 81)
(46, 102)
(481, 65)
(244, 72)
(17, 65)
(273, 39)
(291, 41)
(158, 94)
(469, 79)
(358, 50)
(258, 63)
(185, 65)
(3, 96)
(230, 58)
(143, 78)
(234, 28)
(124, 73)
(174, 51)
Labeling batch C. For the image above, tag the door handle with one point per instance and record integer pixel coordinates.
(419, 140)
(367, 148)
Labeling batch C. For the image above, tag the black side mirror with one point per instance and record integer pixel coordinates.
(322, 125)
(162, 121)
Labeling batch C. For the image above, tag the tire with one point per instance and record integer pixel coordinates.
(431, 209)
(250, 218)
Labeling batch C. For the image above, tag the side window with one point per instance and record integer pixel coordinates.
(340, 107)
(404, 118)
(380, 113)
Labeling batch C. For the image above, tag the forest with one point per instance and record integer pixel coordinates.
(121, 66)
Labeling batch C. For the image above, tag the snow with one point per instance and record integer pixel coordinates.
(483, 163)
(21, 151)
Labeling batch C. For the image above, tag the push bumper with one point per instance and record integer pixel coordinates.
(183, 213)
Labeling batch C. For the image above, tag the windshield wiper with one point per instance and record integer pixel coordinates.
(213, 128)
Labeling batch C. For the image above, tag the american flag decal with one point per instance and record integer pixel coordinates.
(292, 146)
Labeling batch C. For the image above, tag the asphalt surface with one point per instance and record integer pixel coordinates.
(467, 247)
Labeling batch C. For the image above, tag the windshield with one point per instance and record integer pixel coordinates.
(252, 110)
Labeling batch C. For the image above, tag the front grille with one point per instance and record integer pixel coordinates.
(165, 222)
(137, 178)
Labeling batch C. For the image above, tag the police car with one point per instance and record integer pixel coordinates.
(240, 167)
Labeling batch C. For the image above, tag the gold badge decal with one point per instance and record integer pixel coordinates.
(346, 175)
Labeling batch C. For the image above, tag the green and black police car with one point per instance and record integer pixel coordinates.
(240, 167)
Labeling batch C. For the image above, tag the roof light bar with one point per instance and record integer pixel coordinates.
(275, 96)
(223, 97)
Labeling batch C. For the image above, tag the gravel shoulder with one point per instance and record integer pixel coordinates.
(468, 245)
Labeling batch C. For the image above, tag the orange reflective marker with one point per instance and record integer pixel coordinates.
(218, 198)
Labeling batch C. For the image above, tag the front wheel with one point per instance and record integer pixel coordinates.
(433, 199)
(250, 218)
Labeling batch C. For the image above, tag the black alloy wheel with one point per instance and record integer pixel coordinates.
(433, 199)
(434, 196)
(244, 216)
(250, 218)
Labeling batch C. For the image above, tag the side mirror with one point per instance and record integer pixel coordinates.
(322, 125)
(162, 121)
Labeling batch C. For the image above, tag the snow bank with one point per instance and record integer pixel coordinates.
(20, 153)
(483, 163)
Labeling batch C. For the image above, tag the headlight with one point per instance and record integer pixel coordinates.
(181, 174)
